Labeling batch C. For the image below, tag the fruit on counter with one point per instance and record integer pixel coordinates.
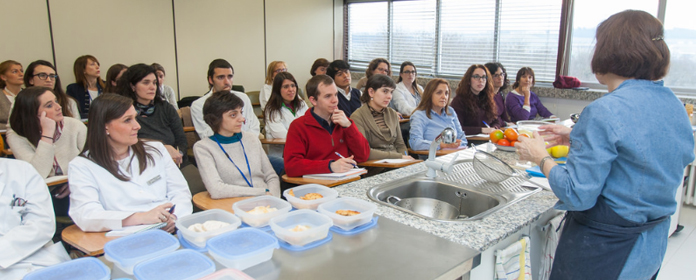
(511, 134)
(503, 142)
(558, 151)
(496, 135)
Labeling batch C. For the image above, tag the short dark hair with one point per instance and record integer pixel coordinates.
(493, 67)
(218, 63)
(158, 67)
(79, 70)
(335, 66)
(132, 76)
(376, 82)
(312, 86)
(374, 64)
(631, 44)
(524, 71)
(219, 103)
(111, 75)
(318, 63)
(23, 119)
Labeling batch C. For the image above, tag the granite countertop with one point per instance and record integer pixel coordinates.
(479, 234)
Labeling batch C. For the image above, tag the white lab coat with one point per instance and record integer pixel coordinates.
(265, 95)
(99, 201)
(403, 101)
(278, 128)
(203, 129)
(26, 232)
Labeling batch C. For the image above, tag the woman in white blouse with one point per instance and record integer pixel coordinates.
(284, 106)
(274, 68)
(120, 181)
(408, 93)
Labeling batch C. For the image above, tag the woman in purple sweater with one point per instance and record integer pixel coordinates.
(500, 83)
(474, 102)
(523, 104)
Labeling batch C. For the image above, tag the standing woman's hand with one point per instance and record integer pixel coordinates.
(555, 134)
(531, 149)
(48, 127)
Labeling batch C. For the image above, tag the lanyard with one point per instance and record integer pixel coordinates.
(250, 183)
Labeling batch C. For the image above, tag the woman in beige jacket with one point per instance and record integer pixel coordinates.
(379, 123)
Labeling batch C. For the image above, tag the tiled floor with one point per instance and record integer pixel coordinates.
(681, 249)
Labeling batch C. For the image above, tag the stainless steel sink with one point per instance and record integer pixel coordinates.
(461, 196)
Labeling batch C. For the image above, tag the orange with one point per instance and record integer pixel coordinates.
(511, 134)
(496, 135)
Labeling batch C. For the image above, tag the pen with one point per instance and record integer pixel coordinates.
(354, 166)
(171, 210)
(488, 126)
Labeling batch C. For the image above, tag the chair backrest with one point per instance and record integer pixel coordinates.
(187, 121)
(239, 88)
(186, 101)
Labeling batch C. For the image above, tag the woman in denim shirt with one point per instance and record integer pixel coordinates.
(432, 116)
(627, 156)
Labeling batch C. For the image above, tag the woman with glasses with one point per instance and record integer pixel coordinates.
(523, 104)
(474, 102)
(119, 180)
(500, 84)
(11, 74)
(159, 120)
(232, 162)
(88, 84)
(41, 73)
(112, 75)
(432, 116)
(274, 68)
(376, 66)
(408, 93)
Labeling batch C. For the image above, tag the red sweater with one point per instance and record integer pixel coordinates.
(309, 147)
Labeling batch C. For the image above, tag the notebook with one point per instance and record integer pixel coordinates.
(337, 176)
(134, 229)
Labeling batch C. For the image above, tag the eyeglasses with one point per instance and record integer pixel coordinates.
(477, 77)
(288, 86)
(281, 70)
(499, 75)
(43, 76)
(409, 72)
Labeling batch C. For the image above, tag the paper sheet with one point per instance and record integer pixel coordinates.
(394, 160)
(134, 229)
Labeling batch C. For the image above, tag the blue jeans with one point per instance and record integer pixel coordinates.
(278, 165)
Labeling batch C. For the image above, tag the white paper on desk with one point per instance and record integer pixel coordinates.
(336, 176)
(134, 229)
(55, 179)
(478, 135)
(395, 161)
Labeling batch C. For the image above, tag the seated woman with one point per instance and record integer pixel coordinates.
(41, 73)
(42, 136)
(523, 104)
(232, 162)
(112, 75)
(284, 106)
(376, 66)
(408, 93)
(379, 123)
(158, 119)
(167, 91)
(474, 102)
(319, 67)
(11, 74)
(88, 84)
(432, 116)
(119, 180)
(500, 84)
(274, 68)
(27, 222)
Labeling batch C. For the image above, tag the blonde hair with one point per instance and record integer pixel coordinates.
(271, 69)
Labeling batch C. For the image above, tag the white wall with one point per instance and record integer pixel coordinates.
(135, 31)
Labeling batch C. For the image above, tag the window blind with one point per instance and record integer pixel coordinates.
(368, 33)
(413, 35)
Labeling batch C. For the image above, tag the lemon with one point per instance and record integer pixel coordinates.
(558, 151)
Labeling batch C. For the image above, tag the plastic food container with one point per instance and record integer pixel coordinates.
(318, 227)
(260, 220)
(198, 239)
(130, 250)
(242, 248)
(365, 208)
(228, 274)
(79, 269)
(327, 193)
(185, 264)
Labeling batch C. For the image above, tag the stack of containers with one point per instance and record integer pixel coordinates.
(128, 251)
(185, 264)
(242, 248)
(316, 227)
(347, 223)
(299, 191)
(260, 220)
(79, 269)
(198, 239)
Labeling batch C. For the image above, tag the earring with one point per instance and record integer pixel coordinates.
(372, 98)
(107, 133)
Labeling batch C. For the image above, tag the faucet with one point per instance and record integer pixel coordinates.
(449, 136)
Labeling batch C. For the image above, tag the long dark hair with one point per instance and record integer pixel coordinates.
(104, 109)
(493, 67)
(63, 99)
(79, 70)
(415, 84)
(111, 75)
(275, 103)
(484, 100)
(132, 76)
(24, 119)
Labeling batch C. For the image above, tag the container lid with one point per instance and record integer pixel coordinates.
(185, 264)
(228, 274)
(242, 243)
(83, 268)
(132, 249)
(185, 244)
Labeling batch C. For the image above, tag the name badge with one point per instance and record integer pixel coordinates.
(153, 180)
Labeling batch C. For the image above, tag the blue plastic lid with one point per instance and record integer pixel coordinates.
(188, 245)
(83, 268)
(242, 243)
(132, 249)
(357, 229)
(185, 264)
(290, 247)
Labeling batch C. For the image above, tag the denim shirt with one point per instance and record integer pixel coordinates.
(424, 130)
(630, 146)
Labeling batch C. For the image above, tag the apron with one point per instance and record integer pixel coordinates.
(596, 243)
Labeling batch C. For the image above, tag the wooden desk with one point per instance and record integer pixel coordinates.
(91, 243)
(328, 183)
(478, 138)
(441, 152)
(403, 120)
(57, 182)
(203, 201)
(274, 141)
(189, 129)
(374, 163)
